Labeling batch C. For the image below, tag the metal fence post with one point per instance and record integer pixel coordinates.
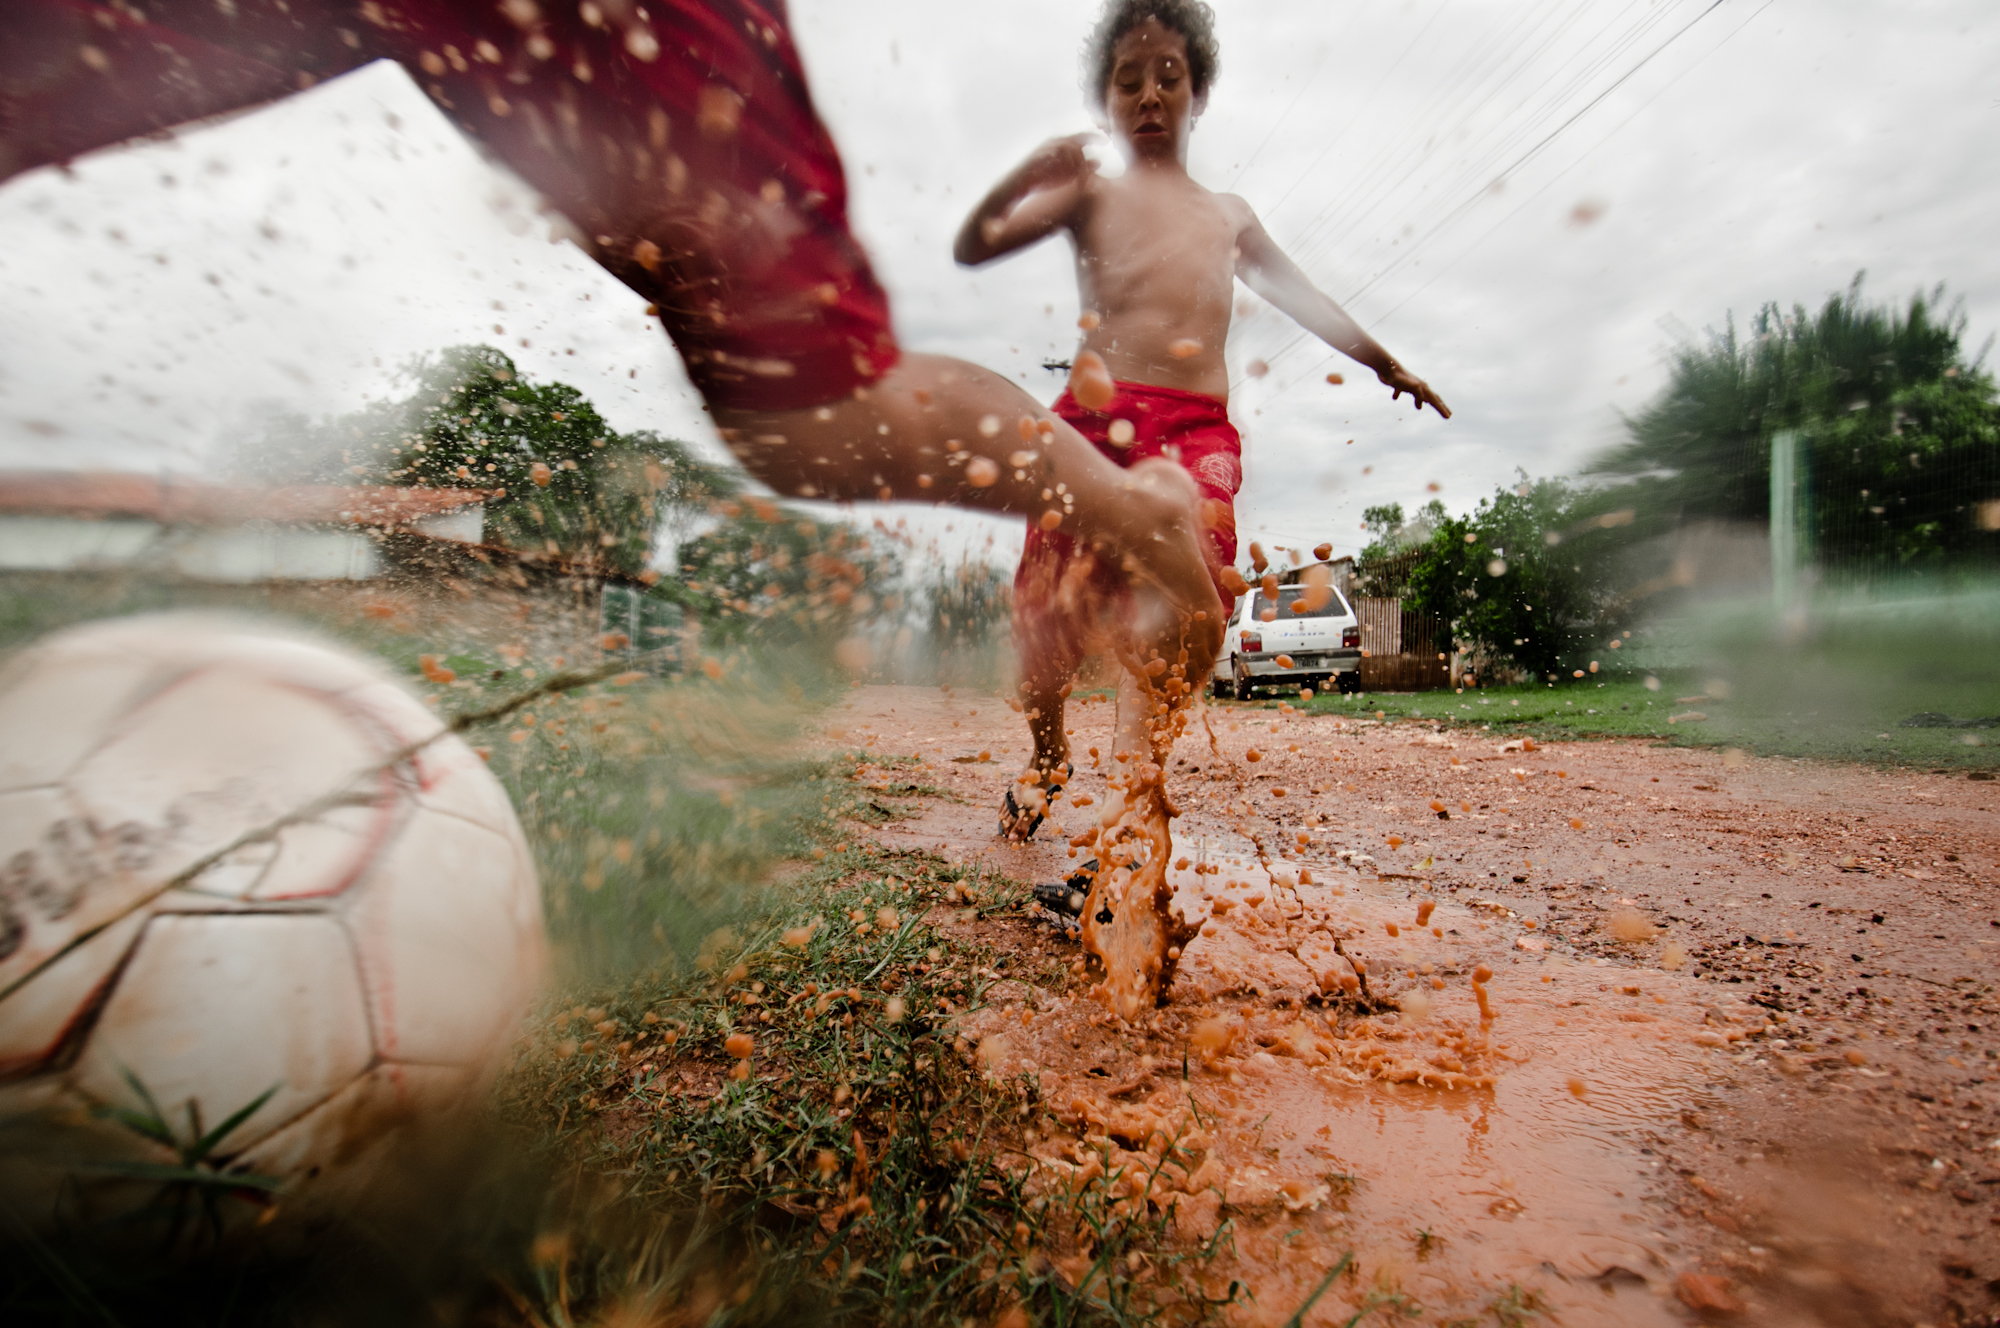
(1787, 533)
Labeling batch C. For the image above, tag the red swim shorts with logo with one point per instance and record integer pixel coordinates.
(678, 137)
(1060, 586)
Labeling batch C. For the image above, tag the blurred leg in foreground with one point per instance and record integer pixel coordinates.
(680, 143)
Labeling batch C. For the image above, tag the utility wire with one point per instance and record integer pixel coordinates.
(1522, 160)
(1642, 108)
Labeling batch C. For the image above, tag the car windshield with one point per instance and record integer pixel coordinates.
(1335, 606)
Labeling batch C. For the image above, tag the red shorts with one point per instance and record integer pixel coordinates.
(683, 144)
(1061, 586)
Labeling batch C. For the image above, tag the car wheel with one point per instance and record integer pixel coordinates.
(1240, 682)
(1221, 687)
(1350, 683)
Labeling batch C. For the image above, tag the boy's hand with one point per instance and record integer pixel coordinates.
(1400, 380)
(1059, 161)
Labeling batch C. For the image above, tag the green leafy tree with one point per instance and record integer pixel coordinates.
(566, 483)
(1524, 580)
(1901, 433)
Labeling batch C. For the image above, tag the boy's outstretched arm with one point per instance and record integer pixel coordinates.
(1031, 201)
(1269, 270)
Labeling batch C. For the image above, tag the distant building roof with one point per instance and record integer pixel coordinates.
(103, 494)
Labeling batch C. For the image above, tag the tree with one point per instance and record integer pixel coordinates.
(1901, 433)
(565, 483)
(968, 607)
(1524, 579)
(1385, 562)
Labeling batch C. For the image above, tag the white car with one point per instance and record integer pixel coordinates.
(1268, 645)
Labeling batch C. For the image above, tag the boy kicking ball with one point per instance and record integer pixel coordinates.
(1157, 258)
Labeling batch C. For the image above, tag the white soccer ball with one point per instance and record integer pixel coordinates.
(233, 871)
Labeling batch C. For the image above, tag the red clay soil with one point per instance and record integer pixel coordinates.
(1741, 1060)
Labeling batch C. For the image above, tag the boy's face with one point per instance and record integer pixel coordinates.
(1149, 101)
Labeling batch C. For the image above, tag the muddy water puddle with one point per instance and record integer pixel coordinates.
(1318, 1130)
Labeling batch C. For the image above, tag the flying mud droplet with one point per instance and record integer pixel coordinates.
(1183, 347)
(1089, 381)
(718, 113)
(982, 472)
(1335, 379)
(1121, 433)
(1631, 926)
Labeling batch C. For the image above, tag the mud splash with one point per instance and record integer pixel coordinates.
(1130, 922)
(1468, 1163)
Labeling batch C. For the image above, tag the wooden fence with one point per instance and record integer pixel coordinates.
(1401, 650)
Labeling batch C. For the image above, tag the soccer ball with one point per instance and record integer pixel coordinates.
(258, 915)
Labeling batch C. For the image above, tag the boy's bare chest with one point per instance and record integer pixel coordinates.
(1141, 234)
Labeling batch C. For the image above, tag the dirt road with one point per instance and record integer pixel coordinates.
(1742, 1052)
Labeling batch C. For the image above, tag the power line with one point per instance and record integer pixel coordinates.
(1523, 159)
(1537, 149)
(1580, 157)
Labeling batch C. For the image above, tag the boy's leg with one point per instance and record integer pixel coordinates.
(920, 433)
(1049, 630)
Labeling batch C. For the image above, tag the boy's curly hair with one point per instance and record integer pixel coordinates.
(1192, 19)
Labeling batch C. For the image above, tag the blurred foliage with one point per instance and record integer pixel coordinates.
(769, 573)
(1901, 432)
(565, 483)
(969, 607)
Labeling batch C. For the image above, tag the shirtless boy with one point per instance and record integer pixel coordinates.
(1157, 257)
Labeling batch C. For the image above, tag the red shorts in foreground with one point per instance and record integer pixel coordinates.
(1060, 586)
(679, 137)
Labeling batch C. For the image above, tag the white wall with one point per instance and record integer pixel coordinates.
(256, 551)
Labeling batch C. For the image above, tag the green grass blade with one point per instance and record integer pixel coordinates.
(206, 1144)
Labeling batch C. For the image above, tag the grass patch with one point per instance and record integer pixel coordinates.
(1687, 711)
(778, 1095)
(797, 1084)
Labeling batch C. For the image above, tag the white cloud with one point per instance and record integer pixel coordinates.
(1769, 153)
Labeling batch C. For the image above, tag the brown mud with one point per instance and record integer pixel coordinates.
(1132, 922)
(1741, 1059)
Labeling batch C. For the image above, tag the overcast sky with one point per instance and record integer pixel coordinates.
(154, 301)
